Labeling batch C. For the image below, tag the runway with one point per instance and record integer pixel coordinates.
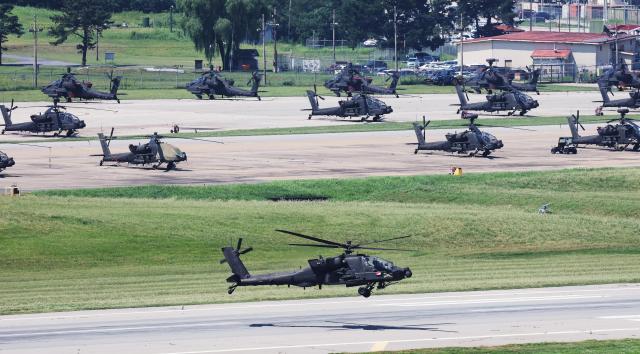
(382, 322)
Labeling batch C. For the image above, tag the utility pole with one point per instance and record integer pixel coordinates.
(333, 29)
(35, 29)
(264, 50)
(461, 44)
(97, 45)
(289, 23)
(531, 15)
(171, 18)
(395, 35)
(274, 26)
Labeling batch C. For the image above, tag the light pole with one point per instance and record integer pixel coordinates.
(35, 29)
(461, 44)
(171, 18)
(274, 25)
(264, 50)
(333, 29)
(395, 35)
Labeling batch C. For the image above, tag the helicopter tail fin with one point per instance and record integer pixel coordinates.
(535, 76)
(419, 129)
(312, 100)
(105, 147)
(460, 92)
(232, 257)
(256, 82)
(115, 84)
(573, 126)
(604, 91)
(6, 115)
(395, 77)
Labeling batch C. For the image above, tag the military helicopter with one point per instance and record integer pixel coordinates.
(352, 81)
(531, 85)
(212, 83)
(620, 76)
(69, 87)
(360, 105)
(618, 136)
(5, 161)
(52, 120)
(472, 141)
(633, 102)
(154, 152)
(488, 79)
(347, 269)
(510, 101)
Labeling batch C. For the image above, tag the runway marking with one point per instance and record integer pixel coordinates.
(116, 329)
(531, 334)
(620, 317)
(304, 304)
(528, 308)
(488, 301)
(378, 347)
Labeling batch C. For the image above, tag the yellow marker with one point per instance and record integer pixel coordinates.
(380, 346)
(457, 171)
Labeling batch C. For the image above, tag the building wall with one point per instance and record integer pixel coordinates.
(588, 56)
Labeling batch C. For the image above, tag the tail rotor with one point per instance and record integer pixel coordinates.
(237, 251)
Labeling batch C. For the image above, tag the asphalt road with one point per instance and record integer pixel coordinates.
(337, 324)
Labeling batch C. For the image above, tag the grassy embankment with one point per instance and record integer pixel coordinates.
(159, 245)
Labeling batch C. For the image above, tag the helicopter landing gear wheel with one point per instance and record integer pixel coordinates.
(68, 99)
(636, 147)
(364, 291)
(309, 116)
(69, 132)
(212, 97)
(259, 98)
(2, 132)
(155, 167)
(101, 162)
(171, 166)
(199, 97)
(523, 113)
(486, 153)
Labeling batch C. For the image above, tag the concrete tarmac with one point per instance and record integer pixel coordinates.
(277, 157)
(382, 322)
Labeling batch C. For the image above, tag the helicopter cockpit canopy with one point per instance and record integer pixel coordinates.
(172, 153)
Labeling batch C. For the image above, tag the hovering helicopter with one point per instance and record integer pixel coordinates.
(510, 101)
(154, 152)
(69, 87)
(360, 105)
(351, 81)
(212, 83)
(633, 102)
(618, 136)
(472, 141)
(347, 269)
(5, 161)
(52, 120)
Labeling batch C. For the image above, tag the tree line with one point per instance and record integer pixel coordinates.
(219, 26)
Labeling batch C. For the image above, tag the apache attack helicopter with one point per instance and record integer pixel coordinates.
(360, 105)
(347, 269)
(69, 87)
(619, 76)
(510, 101)
(531, 85)
(52, 120)
(5, 161)
(352, 81)
(154, 152)
(212, 83)
(490, 79)
(618, 136)
(472, 141)
(633, 102)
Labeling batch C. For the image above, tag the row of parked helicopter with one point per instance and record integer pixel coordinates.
(508, 97)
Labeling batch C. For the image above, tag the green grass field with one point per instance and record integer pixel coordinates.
(623, 346)
(146, 246)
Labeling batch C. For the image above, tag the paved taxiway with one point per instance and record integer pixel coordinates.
(263, 158)
(147, 116)
(337, 324)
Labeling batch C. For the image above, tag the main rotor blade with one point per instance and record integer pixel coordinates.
(382, 249)
(503, 126)
(188, 138)
(378, 241)
(313, 238)
(312, 245)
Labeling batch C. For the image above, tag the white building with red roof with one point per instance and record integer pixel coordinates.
(573, 50)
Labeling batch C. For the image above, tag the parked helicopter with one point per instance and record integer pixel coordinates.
(490, 79)
(633, 102)
(5, 161)
(69, 87)
(212, 83)
(531, 85)
(52, 120)
(510, 101)
(347, 269)
(154, 152)
(619, 76)
(619, 136)
(352, 81)
(361, 105)
(472, 141)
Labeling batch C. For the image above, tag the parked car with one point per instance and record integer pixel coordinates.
(370, 42)
(375, 66)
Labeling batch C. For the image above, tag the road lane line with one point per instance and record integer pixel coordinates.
(417, 340)
(488, 301)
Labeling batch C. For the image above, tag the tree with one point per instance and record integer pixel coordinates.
(8, 25)
(220, 24)
(473, 11)
(85, 19)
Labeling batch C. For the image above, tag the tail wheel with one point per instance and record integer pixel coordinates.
(101, 162)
